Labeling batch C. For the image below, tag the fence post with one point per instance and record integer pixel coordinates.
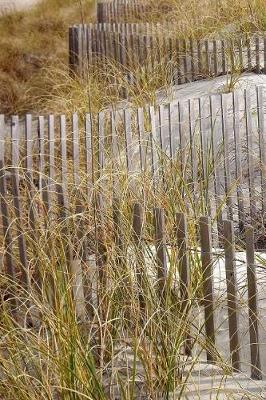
(184, 272)
(229, 250)
(160, 246)
(207, 271)
(252, 306)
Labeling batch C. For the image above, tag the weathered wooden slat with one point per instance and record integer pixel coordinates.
(204, 142)
(238, 161)
(15, 141)
(184, 273)
(250, 155)
(142, 141)
(227, 167)
(193, 146)
(257, 51)
(253, 306)
(101, 141)
(29, 174)
(262, 145)
(206, 45)
(29, 144)
(216, 147)
(15, 146)
(153, 149)
(138, 225)
(182, 139)
(75, 149)
(173, 130)
(89, 155)
(199, 58)
(64, 170)
(160, 245)
(207, 274)
(51, 153)
(215, 58)
(192, 56)
(230, 269)
(249, 56)
(223, 57)
(41, 153)
(71, 50)
(185, 63)
(8, 257)
(240, 53)
(128, 140)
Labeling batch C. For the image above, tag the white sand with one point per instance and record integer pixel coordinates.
(208, 87)
(7, 6)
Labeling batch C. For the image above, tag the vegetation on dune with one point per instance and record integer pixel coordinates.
(127, 336)
(34, 60)
(31, 41)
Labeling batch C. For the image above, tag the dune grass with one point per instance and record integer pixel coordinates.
(119, 335)
(32, 40)
(34, 61)
(122, 338)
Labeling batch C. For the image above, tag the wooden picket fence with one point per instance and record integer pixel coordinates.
(112, 11)
(209, 152)
(124, 10)
(135, 46)
(30, 215)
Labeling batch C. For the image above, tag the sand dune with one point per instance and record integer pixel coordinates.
(7, 6)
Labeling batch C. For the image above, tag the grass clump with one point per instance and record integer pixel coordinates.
(32, 40)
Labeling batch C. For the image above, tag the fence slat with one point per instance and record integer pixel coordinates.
(238, 161)
(128, 140)
(153, 149)
(29, 173)
(15, 143)
(207, 273)
(64, 169)
(138, 225)
(184, 273)
(89, 155)
(76, 156)
(41, 160)
(250, 155)
(8, 260)
(230, 269)
(141, 138)
(101, 140)
(253, 307)
(51, 153)
(216, 145)
(261, 129)
(160, 245)
(227, 167)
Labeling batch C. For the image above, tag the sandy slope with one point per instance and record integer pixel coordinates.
(15, 5)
